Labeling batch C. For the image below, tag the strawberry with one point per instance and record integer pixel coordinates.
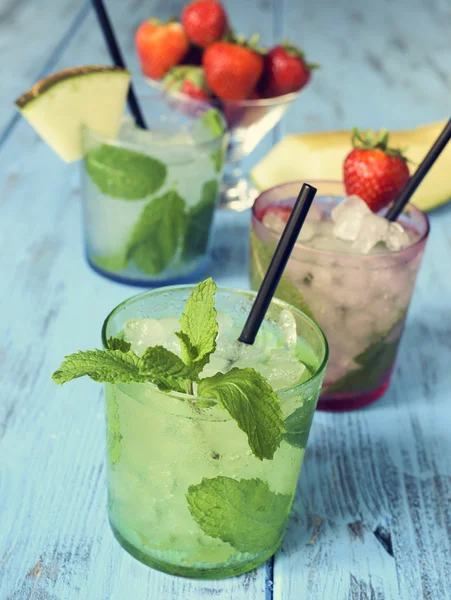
(187, 80)
(205, 22)
(160, 46)
(286, 71)
(232, 69)
(373, 170)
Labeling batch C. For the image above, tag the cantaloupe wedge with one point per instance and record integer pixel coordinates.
(59, 105)
(313, 156)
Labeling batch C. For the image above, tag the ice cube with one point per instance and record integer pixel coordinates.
(350, 204)
(309, 229)
(142, 333)
(348, 217)
(282, 370)
(225, 322)
(274, 221)
(396, 237)
(373, 230)
(287, 324)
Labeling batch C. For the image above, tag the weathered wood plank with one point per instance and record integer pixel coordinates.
(31, 40)
(384, 64)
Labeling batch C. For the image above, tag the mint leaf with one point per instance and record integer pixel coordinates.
(297, 426)
(217, 157)
(118, 344)
(287, 291)
(166, 369)
(213, 121)
(123, 173)
(155, 238)
(110, 366)
(254, 405)
(245, 513)
(199, 326)
(198, 222)
(375, 362)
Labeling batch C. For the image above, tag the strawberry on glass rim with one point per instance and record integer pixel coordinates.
(373, 170)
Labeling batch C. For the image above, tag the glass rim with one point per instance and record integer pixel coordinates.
(185, 396)
(141, 146)
(329, 253)
(285, 98)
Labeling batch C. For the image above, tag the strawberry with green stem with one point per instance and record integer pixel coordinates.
(188, 80)
(233, 68)
(373, 170)
(160, 46)
(286, 70)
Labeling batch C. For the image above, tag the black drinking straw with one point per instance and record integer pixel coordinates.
(430, 158)
(116, 57)
(278, 263)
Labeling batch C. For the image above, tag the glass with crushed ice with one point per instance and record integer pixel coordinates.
(149, 196)
(351, 271)
(160, 445)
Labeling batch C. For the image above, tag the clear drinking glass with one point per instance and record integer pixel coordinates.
(158, 445)
(360, 301)
(149, 196)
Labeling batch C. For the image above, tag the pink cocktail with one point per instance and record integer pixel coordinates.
(360, 300)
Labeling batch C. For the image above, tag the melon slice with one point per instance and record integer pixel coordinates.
(59, 105)
(313, 156)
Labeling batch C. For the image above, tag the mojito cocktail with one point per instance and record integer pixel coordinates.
(150, 196)
(357, 289)
(205, 435)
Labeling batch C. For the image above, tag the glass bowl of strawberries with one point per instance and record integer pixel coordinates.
(201, 58)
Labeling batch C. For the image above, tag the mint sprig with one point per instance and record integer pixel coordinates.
(244, 513)
(120, 365)
(254, 405)
(108, 366)
(166, 370)
(243, 393)
(199, 326)
(118, 344)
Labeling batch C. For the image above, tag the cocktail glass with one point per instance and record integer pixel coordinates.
(150, 196)
(248, 122)
(160, 445)
(360, 301)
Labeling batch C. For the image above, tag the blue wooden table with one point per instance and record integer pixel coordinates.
(372, 518)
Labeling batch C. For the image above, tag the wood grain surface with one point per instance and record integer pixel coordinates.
(372, 517)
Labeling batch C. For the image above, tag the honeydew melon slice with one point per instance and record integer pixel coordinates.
(316, 156)
(60, 104)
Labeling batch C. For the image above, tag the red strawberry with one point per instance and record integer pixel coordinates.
(285, 71)
(205, 22)
(187, 80)
(374, 171)
(232, 69)
(160, 46)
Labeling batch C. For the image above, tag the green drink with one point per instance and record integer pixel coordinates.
(200, 484)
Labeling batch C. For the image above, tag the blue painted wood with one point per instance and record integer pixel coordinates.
(372, 516)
